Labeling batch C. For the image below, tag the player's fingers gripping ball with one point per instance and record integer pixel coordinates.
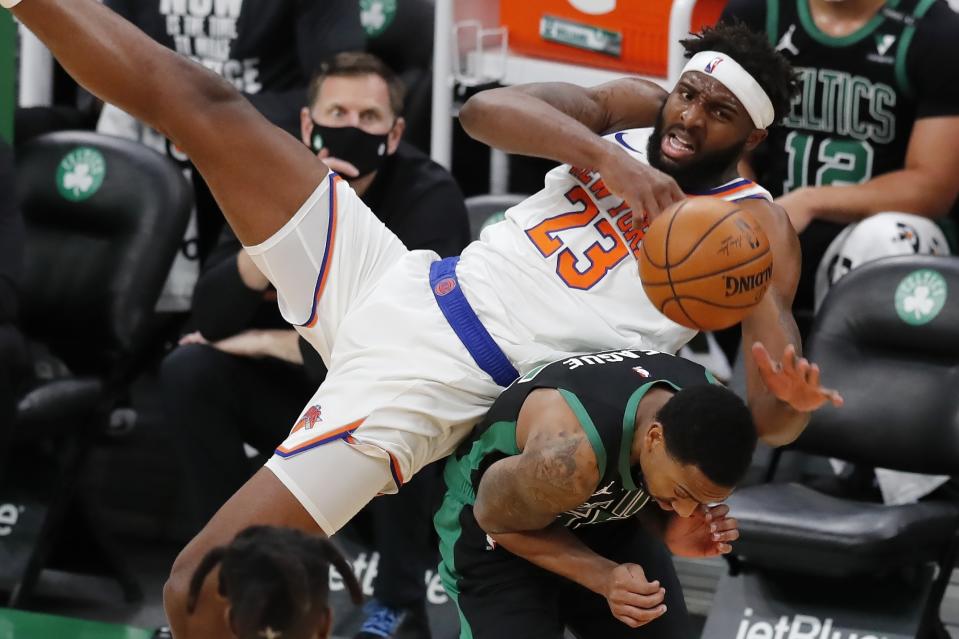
(705, 263)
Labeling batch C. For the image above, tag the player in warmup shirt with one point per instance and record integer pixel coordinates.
(418, 348)
(871, 141)
(550, 515)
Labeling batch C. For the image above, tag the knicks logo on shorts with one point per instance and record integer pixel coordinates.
(444, 286)
(312, 417)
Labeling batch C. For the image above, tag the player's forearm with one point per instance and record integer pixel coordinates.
(777, 423)
(905, 191)
(518, 120)
(121, 65)
(557, 550)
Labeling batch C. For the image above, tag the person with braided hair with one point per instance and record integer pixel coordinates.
(276, 583)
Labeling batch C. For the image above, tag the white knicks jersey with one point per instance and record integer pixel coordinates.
(559, 275)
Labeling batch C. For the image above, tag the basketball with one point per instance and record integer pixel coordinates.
(705, 263)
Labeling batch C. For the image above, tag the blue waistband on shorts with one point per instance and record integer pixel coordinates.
(467, 326)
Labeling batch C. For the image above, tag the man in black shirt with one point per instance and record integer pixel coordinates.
(873, 129)
(239, 378)
(550, 517)
(355, 124)
(11, 255)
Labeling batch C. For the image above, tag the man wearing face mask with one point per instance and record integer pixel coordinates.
(354, 123)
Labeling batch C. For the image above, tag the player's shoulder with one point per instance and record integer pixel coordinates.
(936, 29)
(769, 214)
(634, 141)
(589, 372)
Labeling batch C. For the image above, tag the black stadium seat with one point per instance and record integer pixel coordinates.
(896, 362)
(104, 219)
(484, 209)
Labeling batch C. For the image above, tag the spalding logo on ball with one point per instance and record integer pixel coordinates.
(705, 263)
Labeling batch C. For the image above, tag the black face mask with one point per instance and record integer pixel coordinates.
(365, 151)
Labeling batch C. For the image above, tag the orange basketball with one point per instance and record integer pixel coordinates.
(705, 263)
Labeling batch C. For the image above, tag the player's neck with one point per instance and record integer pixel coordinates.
(839, 18)
(706, 186)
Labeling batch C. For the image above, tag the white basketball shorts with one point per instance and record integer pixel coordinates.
(402, 390)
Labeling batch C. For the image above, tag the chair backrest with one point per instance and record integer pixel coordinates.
(482, 209)
(104, 219)
(887, 337)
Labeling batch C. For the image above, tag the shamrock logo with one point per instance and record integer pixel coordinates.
(377, 15)
(919, 303)
(920, 296)
(79, 179)
(80, 174)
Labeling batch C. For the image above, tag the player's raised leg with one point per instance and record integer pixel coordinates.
(259, 174)
(354, 478)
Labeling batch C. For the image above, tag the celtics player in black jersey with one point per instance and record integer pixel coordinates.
(550, 518)
(874, 126)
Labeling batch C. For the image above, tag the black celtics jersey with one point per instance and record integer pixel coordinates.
(603, 390)
(859, 95)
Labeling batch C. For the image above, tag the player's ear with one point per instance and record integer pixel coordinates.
(756, 138)
(654, 436)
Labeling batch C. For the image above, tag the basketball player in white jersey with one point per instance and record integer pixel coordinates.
(417, 347)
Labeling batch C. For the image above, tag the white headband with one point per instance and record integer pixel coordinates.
(9, 4)
(736, 79)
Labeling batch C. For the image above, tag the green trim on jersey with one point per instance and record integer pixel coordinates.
(501, 437)
(902, 74)
(458, 473)
(588, 427)
(629, 431)
(772, 21)
(809, 25)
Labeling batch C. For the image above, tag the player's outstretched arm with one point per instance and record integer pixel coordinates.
(781, 394)
(259, 174)
(563, 122)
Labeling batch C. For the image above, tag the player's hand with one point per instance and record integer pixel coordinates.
(647, 191)
(707, 533)
(632, 598)
(342, 167)
(278, 343)
(793, 380)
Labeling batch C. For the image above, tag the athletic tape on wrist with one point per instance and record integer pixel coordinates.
(735, 78)
(9, 4)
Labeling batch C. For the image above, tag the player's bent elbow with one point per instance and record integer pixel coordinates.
(477, 109)
(175, 593)
(484, 517)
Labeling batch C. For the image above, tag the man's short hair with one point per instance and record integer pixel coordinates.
(710, 427)
(359, 63)
(755, 54)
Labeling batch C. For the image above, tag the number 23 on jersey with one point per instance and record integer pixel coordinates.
(584, 271)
